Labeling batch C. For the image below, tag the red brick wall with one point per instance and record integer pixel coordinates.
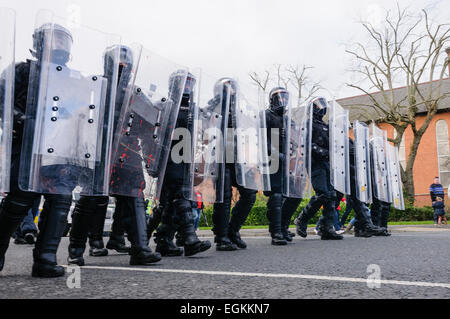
(426, 163)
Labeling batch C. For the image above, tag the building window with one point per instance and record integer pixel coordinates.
(401, 150)
(443, 152)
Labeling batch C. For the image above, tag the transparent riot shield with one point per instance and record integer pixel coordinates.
(68, 127)
(297, 146)
(206, 171)
(379, 167)
(250, 139)
(7, 67)
(144, 129)
(362, 162)
(339, 148)
(395, 177)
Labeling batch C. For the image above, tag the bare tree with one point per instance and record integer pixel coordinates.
(407, 50)
(294, 78)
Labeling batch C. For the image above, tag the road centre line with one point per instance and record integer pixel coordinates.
(268, 275)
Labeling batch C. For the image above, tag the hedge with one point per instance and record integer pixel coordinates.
(258, 217)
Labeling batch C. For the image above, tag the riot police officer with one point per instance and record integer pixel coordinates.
(325, 196)
(363, 222)
(279, 99)
(226, 229)
(177, 213)
(90, 211)
(15, 206)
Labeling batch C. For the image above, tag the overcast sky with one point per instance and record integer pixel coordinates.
(232, 37)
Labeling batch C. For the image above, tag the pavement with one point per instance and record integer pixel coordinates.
(310, 231)
(412, 263)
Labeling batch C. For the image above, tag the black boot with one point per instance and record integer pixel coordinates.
(76, 256)
(53, 220)
(136, 228)
(81, 219)
(364, 226)
(164, 242)
(274, 216)
(235, 238)
(185, 222)
(308, 212)
(224, 244)
(97, 248)
(278, 240)
(287, 211)
(117, 243)
(326, 228)
(384, 218)
(12, 212)
(97, 224)
(221, 220)
(116, 237)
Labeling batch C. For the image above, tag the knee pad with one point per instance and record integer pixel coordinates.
(16, 207)
(327, 197)
(86, 205)
(247, 195)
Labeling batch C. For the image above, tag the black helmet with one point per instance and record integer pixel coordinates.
(126, 60)
(320, 106)
(125, 57)
(61, 45)
(279, 99)
(189, 86)
(177, 77)
(218, 87)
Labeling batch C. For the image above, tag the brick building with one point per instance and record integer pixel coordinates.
(433, 156)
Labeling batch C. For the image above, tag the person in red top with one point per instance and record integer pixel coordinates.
(197, 208)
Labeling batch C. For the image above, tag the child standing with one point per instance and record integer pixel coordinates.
(439, 210)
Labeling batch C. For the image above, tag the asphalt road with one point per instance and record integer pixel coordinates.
(412, 264)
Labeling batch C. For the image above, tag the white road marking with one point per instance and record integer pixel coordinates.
(268, 275)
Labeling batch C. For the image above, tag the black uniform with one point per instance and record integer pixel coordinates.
(274, 120)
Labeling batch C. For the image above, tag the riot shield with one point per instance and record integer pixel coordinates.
(339, 148)
(70, 104)
(7, 45)
(250, 139)
(395, 177)
(297, 150)
(144, 129)
(379, 167)
(206, 172)
(362, 162)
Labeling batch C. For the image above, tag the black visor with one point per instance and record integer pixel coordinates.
(280, 98)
